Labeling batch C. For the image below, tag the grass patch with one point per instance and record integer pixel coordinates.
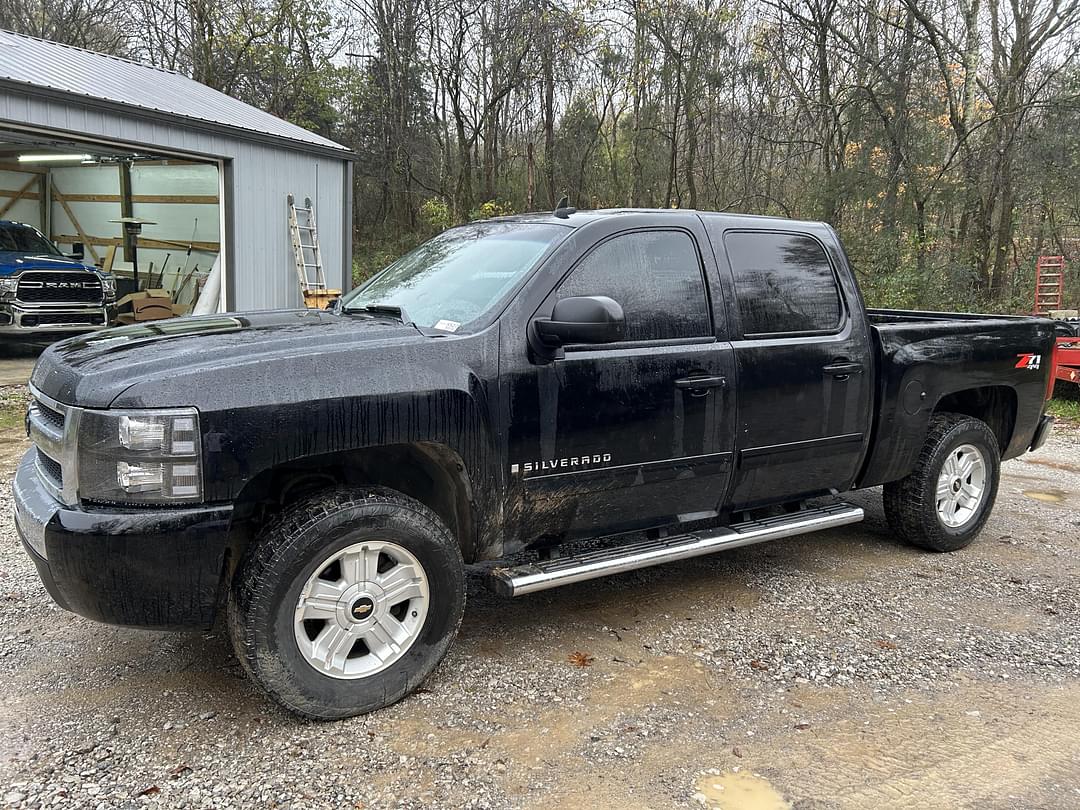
(1066, 403)
(1067, 410)
(13, 402)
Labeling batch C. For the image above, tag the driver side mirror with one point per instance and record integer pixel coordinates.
(77, 251)
(582, 319)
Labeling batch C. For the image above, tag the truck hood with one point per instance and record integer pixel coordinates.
(209, 352)
(12, 264)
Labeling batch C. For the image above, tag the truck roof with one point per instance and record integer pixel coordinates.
(584, 217)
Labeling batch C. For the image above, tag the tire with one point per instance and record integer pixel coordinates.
(351, 534)
(913, 507)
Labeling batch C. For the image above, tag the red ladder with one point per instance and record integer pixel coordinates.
(1049, 284)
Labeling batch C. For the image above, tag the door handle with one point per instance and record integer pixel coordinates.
(842, 370)
(699, 386)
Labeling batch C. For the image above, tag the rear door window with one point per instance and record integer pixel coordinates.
(784, 283)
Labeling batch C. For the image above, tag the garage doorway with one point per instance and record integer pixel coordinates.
(74, 192)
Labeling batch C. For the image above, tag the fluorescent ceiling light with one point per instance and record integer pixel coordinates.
(47, 158)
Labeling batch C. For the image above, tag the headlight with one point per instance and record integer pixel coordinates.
(150, 456)
(8, 287)
(108, 286)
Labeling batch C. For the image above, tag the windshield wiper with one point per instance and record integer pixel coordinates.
(384, 309)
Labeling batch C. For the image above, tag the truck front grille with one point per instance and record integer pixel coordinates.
(63, 319)
(51, 469)
(54, 430)
(54, 418)
(59, 288)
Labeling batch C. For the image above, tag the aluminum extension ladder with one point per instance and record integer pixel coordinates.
(1049, 284)
(308, 256)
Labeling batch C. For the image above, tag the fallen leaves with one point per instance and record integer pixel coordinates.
(760, 666)
(580, 659)
(885, 644)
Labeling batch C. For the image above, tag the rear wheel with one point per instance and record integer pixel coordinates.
(347, 602)
(946, 500)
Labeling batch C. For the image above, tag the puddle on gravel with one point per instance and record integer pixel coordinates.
(739, 790)
(1049, 496)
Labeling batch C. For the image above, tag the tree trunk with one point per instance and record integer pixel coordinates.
(548, 70)
(530, 183)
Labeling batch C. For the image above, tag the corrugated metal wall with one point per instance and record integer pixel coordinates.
(258, 178)
(262, 237)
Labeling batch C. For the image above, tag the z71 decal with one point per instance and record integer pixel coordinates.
(1029, 361)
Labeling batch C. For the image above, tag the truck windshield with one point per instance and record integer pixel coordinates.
(454, 279)
(17, 238)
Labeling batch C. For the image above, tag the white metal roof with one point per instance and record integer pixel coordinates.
(38, 63)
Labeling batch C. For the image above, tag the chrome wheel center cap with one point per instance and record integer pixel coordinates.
(362, 608)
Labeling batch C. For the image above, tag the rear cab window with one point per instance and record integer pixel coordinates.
(784, 284)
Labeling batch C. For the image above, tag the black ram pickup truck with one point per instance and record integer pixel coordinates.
(678, 382)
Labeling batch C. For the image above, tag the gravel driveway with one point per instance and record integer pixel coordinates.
(835, 670)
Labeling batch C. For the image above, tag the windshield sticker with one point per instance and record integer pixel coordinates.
(447, 326)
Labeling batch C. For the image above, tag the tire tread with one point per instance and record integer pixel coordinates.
(250, 594)
(908, 510)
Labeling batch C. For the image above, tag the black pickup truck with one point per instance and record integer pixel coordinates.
(679, 382)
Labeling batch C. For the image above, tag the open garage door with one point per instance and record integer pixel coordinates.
(152, 222)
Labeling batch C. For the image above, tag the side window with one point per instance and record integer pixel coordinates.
(784, 283)
(656, 278)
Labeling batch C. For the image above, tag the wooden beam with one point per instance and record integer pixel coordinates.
(21, 167)
(45, 211)
(71, 215)
(144, 242)
(187, 199)
(18, 195)
(124, 167)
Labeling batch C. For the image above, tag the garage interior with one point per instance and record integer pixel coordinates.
(75, 193)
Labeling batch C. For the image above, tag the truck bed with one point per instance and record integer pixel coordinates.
(924, 359)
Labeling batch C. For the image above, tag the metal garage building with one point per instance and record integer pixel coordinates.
(63, 97)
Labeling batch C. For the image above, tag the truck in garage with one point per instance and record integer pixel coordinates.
(44, 291)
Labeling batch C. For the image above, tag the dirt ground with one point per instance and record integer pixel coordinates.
(837, 670)
(16, 362)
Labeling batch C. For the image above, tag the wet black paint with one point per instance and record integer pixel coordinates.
(797, 413)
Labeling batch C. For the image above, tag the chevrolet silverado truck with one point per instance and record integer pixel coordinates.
(43, 291)
(674, 382)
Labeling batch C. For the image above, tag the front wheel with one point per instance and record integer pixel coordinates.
(347, 602)
(945, 501)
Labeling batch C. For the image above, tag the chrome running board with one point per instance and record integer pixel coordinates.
(544, 574)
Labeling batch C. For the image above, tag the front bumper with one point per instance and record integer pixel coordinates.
(1042, 431)
(160, 568)
(16, 319)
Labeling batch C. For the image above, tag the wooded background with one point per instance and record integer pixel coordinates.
(940, 137)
